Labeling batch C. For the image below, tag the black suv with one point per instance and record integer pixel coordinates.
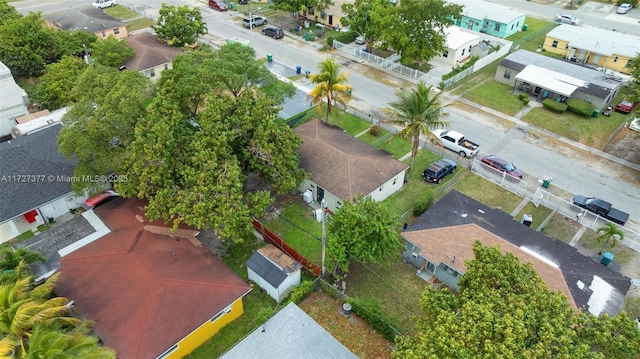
(438, 170)
(274, 32)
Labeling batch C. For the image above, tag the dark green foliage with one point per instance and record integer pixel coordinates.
(458, 69)
(370, 311)
(524, 98)
(301, 292)
(423, 205)
(330, 41)
(347, 37)
(553, 105)
(580, 107)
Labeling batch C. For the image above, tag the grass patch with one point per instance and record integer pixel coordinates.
(632, 306)
(561, 227)
(622, 254)
(539, 214)
(497, 96)
(121, 13)
(296, 77)
(488, 193)
(534, 36)
(138, 24)
(297, 226)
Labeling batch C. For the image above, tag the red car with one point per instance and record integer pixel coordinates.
(218, 5)
(502, 165)
(625, 106)
(101, 198)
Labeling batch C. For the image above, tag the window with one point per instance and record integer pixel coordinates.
(395, 180)
(226, 310)
(104, 34)
(152, 72)
(168, 351)
(381, 187)
(463, 50)
(615, 59)
(511, 26)
(554, 43)
(497, 27)
(588, 99)
(469, 48)
(446, 54)
(507, 74)
(338, 204)
(166, 66)
(566, 47)
(116, 31)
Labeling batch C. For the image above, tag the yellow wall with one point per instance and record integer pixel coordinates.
(619, 65)
(206, 331)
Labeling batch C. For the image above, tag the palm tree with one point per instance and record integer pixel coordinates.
(9, 258)
(609, 231)
(418, 113)
(330, 86)
(48, 343)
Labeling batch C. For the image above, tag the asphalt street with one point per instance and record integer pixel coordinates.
(570, 174)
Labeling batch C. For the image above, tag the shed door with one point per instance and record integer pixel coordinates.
(319, 194)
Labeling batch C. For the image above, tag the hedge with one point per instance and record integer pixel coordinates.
(553, 105)
(580, 107)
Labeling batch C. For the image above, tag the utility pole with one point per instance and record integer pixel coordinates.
(323, 206)
(250, 23)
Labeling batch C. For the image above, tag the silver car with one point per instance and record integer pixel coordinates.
(624, 8)
(568, 19)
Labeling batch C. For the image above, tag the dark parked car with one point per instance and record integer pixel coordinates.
(602, 208)
(242, 2)
(502, 165)
(218, 5)
(438, 170)
(101, 198)
(274, 32)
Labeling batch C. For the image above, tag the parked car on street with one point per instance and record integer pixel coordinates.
(624, 8)
(625, 106)
(568, 19)
(101, 198)
(438, 170)
(101, 4)
(502, 165)
(218, 5)
(274, 32)
(254, 21)
(360, 40)
(601, 208)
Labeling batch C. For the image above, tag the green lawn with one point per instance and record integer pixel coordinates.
(561, 227)
(488, 193)
(122, 13)
(622, 254)
(497, 96)
(534, 36)
(539, 214)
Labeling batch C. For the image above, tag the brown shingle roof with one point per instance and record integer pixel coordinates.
(149, 52)
(145, 291)
(454, 245)
(341, 164)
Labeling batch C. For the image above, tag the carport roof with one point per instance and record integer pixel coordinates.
(551, 80)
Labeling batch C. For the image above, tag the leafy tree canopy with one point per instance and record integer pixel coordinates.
(359, 17)
(416, 28)
(111, 52)
(99, 127)
(7, 12)
(55, 89)
(634, 85)
(363, 230)
(505, 310)
(27, 45)
(180, 25)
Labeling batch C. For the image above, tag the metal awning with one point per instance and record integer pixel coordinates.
(554, 81)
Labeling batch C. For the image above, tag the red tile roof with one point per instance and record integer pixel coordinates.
(145, 291)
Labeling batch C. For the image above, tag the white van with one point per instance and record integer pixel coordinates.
(101, 4)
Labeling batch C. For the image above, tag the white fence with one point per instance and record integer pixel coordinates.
(560, 205)
(504, 48)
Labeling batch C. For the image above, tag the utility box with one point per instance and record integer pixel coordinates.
(607, 257)
(527, 219)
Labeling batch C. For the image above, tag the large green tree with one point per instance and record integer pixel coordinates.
(331, 86)
(7, 12)
(55, 89)
(504, 310)
(27, 45)
(416, 28)
(417, 113)
(180, 25)
(363, 230)
(361, 15)
(99, 127)
(111, 52)
(634, 85)
(47, 342)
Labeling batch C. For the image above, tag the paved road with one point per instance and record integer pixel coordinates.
(571, 174)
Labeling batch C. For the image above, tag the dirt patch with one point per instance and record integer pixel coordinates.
(626, 145)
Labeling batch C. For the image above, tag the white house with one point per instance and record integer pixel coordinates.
(13, 101)
(343, 167)
(459, 44)
(274, 271)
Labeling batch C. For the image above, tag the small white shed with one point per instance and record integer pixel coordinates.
(274, 271)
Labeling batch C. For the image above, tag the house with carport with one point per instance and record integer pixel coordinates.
(89, 19)
(440, 241)
(274, 271)
(547, 77)
(150, 290)
(592, 46)
(490, 18)
(343, 167)
(152, 56)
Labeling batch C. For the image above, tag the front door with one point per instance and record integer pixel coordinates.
(319, 194)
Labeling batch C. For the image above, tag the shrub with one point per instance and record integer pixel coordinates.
(346, 37)
(526, 100)
(299, 293)
(522, 96)
(375, 130)
(580, 107)
(330, 41)
(458, 69)
(423, 204)
(369, 310)
(552, 105)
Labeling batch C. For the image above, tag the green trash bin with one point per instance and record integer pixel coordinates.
(307, 37)
(525, 27)
(269, 58)
(607, 257)
(232, 6)
(595, 113)
(546, 181)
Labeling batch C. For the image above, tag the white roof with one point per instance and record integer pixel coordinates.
(481, 10)
(458, 37)
(39, 123)
(560, 83)
(599, 41)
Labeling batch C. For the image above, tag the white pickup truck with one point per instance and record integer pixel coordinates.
(456, 142)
